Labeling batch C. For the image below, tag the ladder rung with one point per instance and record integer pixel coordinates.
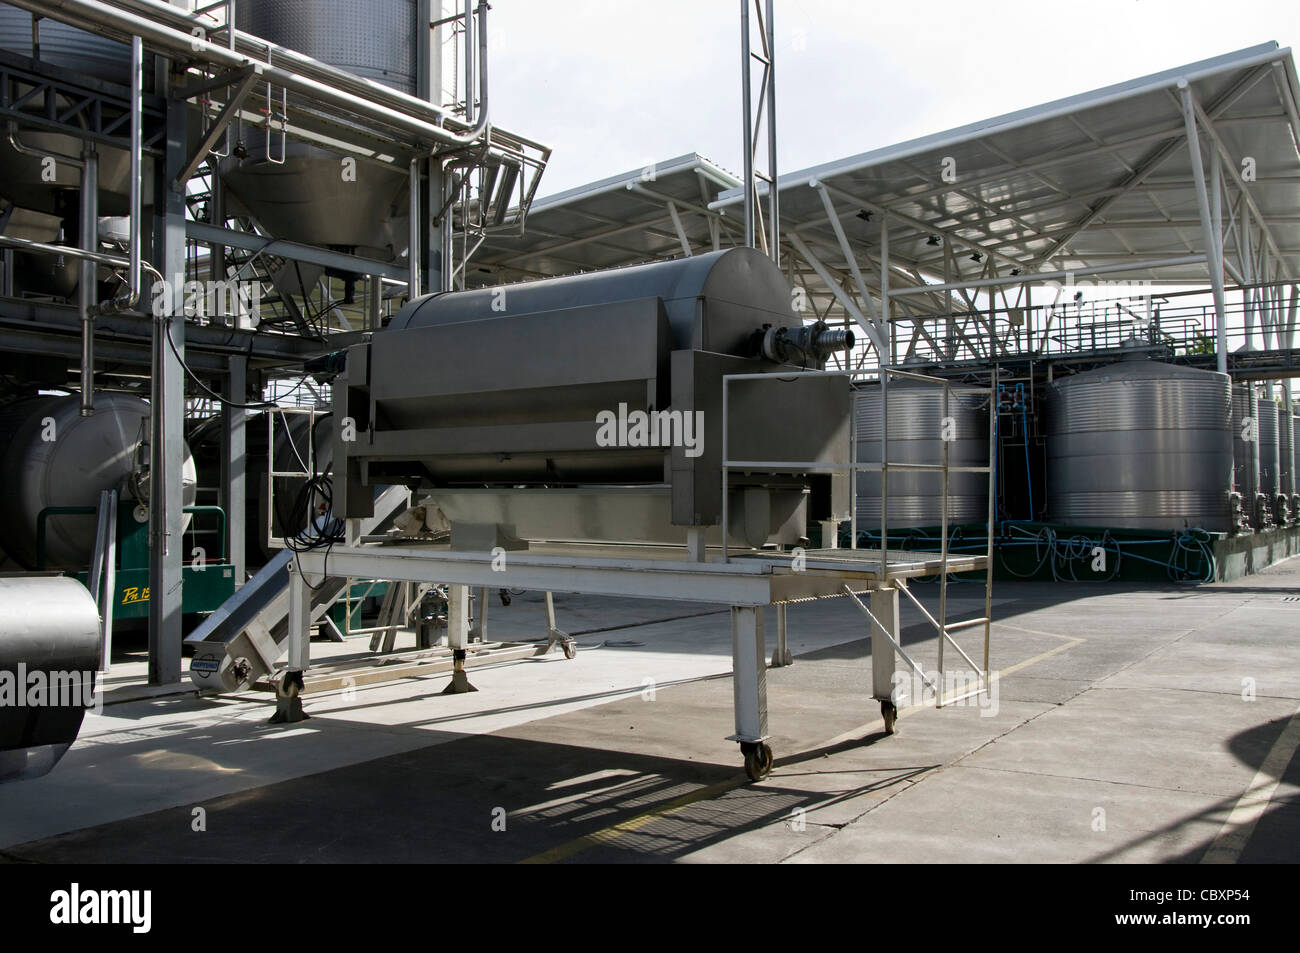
(963, 624)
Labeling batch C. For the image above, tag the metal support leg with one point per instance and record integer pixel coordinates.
(458, 639)
(695, 544)
(831, 534)
(749, 688)
(555, 636)
(884, 636)
(478, 631)
(781, 654)
(288, 693)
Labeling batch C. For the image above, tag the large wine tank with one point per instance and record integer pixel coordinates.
(23, 178)
(1245, 450)
(1140, 444)
(295, 191)
(1285, 451)
(50, 455)
(916, 435)
(48, 625)
(1268, 448)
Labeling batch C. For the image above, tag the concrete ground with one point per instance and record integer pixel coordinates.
(1151, 724)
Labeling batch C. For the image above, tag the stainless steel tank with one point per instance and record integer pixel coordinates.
(1244, 452)
(304, 198)
(52, 456)
(21, 176)
(916, 432)
(1268, 448)
(49, 638)
(1140, 444)
(1285, 451)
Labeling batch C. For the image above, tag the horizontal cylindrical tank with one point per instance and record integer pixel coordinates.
(1268, 447)
(49, 640)
(1140, 444)
(1245, 449)
(916, 435)
(52, 456)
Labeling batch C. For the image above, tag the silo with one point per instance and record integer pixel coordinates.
(50, 455)
(916, 431)
(1268, 449)
(1244, 452)
(1142, 445)
(296, 191)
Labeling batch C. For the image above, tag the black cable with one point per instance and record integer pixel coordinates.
(260, 405)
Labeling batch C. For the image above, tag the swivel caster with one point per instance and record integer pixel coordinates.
(569, 648)
(758, 759)
(889, 712)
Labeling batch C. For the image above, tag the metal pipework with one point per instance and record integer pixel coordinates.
(111, 21)
(128, 299)
(806, 345)
(26, 150)
(86, 284)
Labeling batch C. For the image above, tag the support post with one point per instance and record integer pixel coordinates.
(1214, 258)
(781, 655)
(234, 448)
(884, 607)
(288, 692)
(167, 415)
(458, 639)
(749, 674)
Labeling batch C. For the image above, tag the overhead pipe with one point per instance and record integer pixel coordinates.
(102, 17)
(238, 41)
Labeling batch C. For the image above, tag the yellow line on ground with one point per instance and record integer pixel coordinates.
(1250, 807)
(608, 834)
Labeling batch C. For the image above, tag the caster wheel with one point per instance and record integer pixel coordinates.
(504, 596)
(890, 714)
(758, 760)
(569, 647)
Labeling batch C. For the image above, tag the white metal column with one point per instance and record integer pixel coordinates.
(749, 673)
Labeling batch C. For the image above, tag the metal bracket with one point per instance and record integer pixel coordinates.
(228, 112)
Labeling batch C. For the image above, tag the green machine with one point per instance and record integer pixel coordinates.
(207, 580)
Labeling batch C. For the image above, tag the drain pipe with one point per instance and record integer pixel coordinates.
(86, 283)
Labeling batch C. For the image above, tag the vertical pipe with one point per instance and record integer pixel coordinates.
(469, 61)
(943, 529)
(234, 483)
(413, 251)
(89, 228)
(884, 470)
(988, 568)
(886, 309)
(137, 208)
(773, 195)
(748, 137)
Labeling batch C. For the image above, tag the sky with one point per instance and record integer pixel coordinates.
(613, 85)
